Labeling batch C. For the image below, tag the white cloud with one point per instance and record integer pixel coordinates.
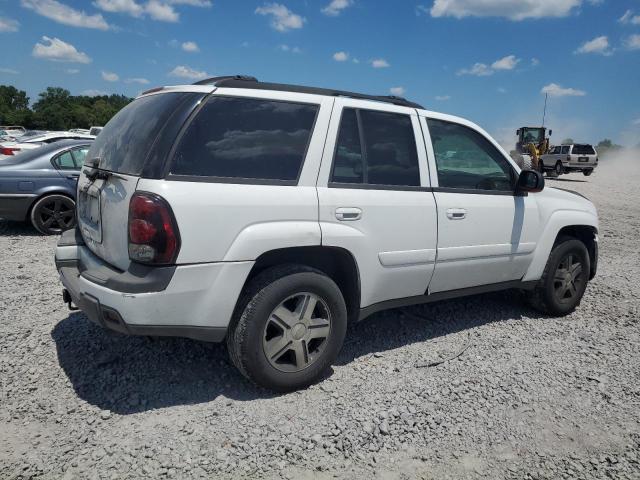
(61, 13)
(93, 93)
(192, 3)
(597, 45)
(287, 48)
(58, 51)
(511, 9)
(379, 63)
(8, 24)
(555, 90)
(141, 81)
(190, 47)
(502, 90)
(632, 42)
(110, 76)
(183, 71)
(483, 70)
(630, 18)
(335, 7)
(129, 7)
(636, 121)
(478, 69)
(10, 71)
(397, 91)
(443, 98)
(535, 62)
(282, 19)
(72, 71)
(162, 12)
(341, 56)
(507, 63)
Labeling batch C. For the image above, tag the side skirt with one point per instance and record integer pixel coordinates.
(436, 297)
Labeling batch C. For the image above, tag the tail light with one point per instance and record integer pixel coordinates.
(153, 233)
(8, 150)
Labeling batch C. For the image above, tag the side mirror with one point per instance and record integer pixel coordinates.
(518, 132)
(530, 181)
(550, 132)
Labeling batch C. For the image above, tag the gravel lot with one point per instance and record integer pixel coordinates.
(531, 397)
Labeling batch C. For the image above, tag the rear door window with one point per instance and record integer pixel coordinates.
(565, 150)
(79, 154)
(246, 138)
(65, 161)
(376, 148)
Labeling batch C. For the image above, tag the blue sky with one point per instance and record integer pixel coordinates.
(486, 60)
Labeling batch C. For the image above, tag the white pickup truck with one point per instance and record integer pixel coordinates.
(270, 216)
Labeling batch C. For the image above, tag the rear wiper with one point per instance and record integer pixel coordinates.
(96, 173)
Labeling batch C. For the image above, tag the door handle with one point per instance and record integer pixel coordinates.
(73, 176)
(456, 213)
(349, 214)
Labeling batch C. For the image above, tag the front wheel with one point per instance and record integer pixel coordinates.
(53, 214)
(559, 169)
(288, 328)
(564, 280)
(586, 173)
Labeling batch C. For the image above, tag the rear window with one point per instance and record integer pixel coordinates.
(583, 150)
(246, 138)
(125, 142)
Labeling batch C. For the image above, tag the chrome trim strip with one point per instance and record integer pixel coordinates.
(17, 195)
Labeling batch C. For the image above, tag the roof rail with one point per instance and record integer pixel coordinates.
(216, 80)
(244, 81)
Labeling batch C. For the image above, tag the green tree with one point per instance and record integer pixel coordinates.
(606, 147)
(568, 141)
(14, 106)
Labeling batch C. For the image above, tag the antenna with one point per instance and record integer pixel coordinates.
(544, 113)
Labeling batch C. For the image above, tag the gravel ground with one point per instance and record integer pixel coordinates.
(530, 397)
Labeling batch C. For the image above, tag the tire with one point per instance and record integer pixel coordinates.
(586, 173)
(541, 167)
(559, 169)
(552, 295)
(53, 214)
(274, 350)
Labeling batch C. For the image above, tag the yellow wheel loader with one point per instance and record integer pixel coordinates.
(532, 143)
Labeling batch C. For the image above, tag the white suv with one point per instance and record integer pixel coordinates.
(570, 158)
(271, 216)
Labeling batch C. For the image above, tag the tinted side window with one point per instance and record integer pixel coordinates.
(246, 138)
(348, 165)
(65, 161)
(465, 159)
(390, 148)
(388, 156)
(565, 150)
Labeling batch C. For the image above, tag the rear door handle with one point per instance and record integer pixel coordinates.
(456, 213)
(348, 214)
(73, 176)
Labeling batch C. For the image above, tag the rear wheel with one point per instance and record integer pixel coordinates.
(53, 214)
(541, 167)
(564, 281)
(586, 173)
(288, 329)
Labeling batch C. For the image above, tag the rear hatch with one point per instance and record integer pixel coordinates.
(583, 154)
(135, 143)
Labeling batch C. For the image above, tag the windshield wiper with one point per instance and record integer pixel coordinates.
(96, 173)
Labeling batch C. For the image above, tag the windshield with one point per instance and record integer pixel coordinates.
(533, 135)
(125, 142)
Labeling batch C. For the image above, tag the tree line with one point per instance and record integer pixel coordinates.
(57, 109)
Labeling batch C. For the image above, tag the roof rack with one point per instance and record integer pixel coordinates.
(244, 81)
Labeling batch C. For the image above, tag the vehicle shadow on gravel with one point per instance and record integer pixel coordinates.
(17, 229)
(565, 180)
(133, 374)
(130, 374)
(421, 323)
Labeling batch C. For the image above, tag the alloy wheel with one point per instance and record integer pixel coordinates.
(568, 279)
(297, 332)
(56, 215)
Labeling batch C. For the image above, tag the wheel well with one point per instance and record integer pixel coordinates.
(587, 235)
(337, 263)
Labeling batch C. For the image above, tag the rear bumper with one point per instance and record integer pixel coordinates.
(16, 206)
(194, 301)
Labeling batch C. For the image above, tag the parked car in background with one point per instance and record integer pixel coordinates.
(578, 157)
(12, 148)
(271, 216)
(14, 131)
(84, 131)
(39, 186)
